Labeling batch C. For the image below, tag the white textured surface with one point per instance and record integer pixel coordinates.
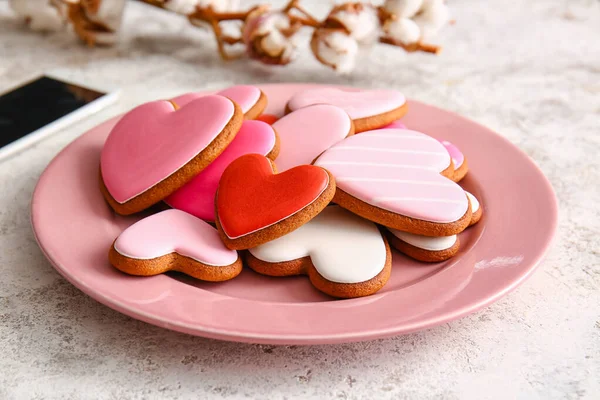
(528, 69)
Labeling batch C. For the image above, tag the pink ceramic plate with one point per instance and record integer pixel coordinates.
(75, 228)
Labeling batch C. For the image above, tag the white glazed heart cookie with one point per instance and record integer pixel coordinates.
(343, 255)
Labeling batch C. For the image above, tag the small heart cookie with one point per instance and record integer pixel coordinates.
(400, 179)
(255, 205)
(173, 240)
(308, 132)
(342, 254)
(369, 109)
(251, 99)
(156, 148)
(197, 197)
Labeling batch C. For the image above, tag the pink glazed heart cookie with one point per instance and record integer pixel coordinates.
(342, 254)
(197, 197)
(251, 99)
(400, 179)
(308, 132)
(369, 109)
(173, 240)
(156, 148)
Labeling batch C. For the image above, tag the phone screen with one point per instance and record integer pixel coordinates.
(38, 103)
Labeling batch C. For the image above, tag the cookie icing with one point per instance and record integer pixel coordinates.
(357, 104)
(153, 141)
(197, 197)
(457, 156)
(425, 242)
(174, 231)
(246, 96)
(343, 247)
(251, 197)
(397, 170)
(308, 132)
(474, 202)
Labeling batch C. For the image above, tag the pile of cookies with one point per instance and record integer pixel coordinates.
(319, 191)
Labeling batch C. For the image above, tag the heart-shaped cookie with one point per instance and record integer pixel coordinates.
(255, 205)
(155, 149)
(197, 197)
(308, 132)
(251, 99)
(173, 240)
(369, 109)
(400, 179)
(342, 254)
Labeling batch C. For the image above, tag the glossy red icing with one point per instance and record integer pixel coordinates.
(251, 197)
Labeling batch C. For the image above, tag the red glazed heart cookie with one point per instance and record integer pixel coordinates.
(251, 99)
(255, 205)
(342, 254)
(155, 149)
(400, 179)
(173, 240)
(369, 109)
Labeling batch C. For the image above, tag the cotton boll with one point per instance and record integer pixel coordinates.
(40, 14)
(263, 34)
(403, 8)
(403, 30)
(335, 48)
(433, 17)
(360, 20)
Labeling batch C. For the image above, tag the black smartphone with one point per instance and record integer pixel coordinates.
(42, 106)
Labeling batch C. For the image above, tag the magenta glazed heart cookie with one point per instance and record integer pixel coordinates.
(342, 254)
(173, 240)
(197, 197)
(251, 99)
(369, 109)
(308, 132)
(400, 179)
(156, 148)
